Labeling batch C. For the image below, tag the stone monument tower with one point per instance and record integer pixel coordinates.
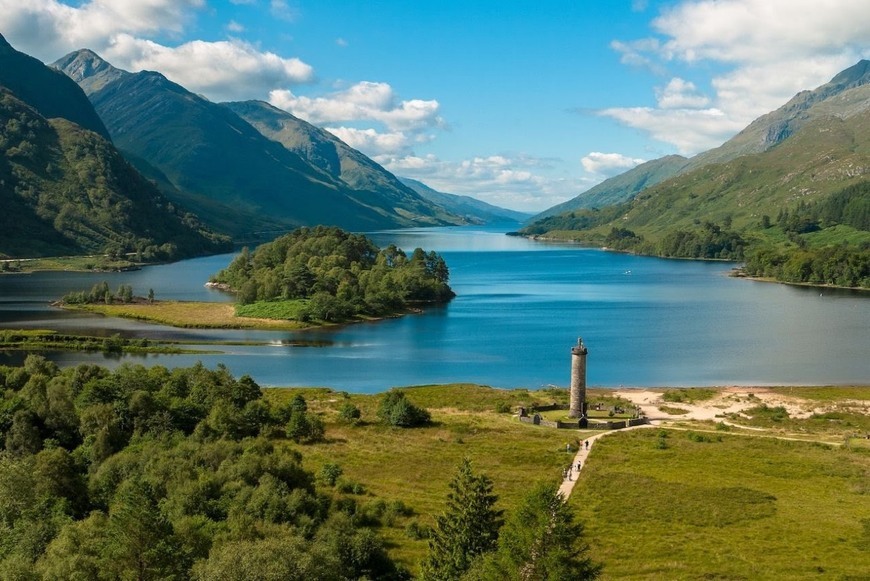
(577, 408)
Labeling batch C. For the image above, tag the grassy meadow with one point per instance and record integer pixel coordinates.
(725, 507)
(657, 503)
(189, 314)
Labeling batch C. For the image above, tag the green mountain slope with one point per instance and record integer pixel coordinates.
(472, 209)
(328, 153)
(66, 190)
(844, 96)
(773, 208)
(622, 187)
(219, 165)
(818, 160)
(48, 91)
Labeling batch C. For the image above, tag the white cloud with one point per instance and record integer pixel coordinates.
(511, 181)
(680, 94)
(234, 27)
(222, 70)
(608, 164)
(115, 29)
(690, 130)
(341, 42)
(373, 143)
(766, 50)
(364, 101)
(48, 29)
(282, 9)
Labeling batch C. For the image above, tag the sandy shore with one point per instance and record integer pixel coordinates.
(728, 400)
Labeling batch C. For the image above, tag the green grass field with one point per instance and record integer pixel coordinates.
(740, 508)
(705, 504)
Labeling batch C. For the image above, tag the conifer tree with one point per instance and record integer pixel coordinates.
(540, 542)
(467, 528)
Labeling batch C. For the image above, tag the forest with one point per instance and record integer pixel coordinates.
(156, 474)
(338, 275)
(190, 473)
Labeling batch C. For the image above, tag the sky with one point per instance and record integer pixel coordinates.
(523, 104)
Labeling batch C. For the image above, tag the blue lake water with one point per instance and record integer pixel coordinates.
(520, 307)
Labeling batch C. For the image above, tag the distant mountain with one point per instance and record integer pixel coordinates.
(328, 153)
(796, 211)
(67, 190)
(470, 208)
(844, 96)
(816, 144)
(222, 167)
(622, 187)
(48, 91)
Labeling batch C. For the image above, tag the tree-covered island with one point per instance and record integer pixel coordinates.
(327, 274)
(309, 277)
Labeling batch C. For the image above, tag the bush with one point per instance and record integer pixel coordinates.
(396, 410)
(330, 473)
(349, 413)
(305, 428)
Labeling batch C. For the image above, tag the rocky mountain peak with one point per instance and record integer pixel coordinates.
(88, 69)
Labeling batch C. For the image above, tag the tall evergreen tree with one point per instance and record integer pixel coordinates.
(540, 542)
(467, 528)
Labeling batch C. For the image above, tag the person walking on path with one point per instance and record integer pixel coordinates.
(580, 459)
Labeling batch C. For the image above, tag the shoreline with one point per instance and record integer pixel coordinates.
(210, 315)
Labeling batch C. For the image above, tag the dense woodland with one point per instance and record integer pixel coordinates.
(156, 474)
(841, 264)
(150, 473)
(337, 274)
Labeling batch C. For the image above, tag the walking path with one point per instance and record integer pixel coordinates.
(568, 483)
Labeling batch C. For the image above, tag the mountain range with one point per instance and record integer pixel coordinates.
(814, 145)
(474, 210)
(844, 96)
(65, 189)
(268, 171)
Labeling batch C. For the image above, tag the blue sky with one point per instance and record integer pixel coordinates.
(519, 103)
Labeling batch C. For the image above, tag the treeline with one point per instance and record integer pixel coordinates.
(338, 274)
(709, 241)
(842, 265)
(156, 474)
(100, 293)
(850, 207)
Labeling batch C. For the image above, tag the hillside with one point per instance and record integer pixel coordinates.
(776, 202)
(51, 93)
(844, 96)
(66, 190)
(221, 166)
(328, 153)
(471, 208)
(622, 187)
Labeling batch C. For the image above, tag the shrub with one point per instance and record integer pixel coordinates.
(305, 428)
(349, 413)
(329, 473)
(503, 407)
(396, 410)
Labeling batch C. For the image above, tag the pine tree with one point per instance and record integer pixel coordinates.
(541, 541)
(467, 528)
